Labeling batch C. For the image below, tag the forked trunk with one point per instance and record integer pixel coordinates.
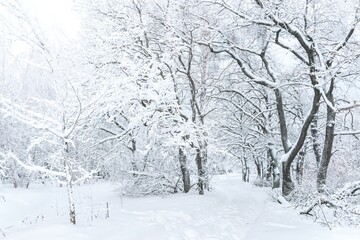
(328, 143)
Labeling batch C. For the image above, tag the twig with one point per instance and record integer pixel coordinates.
(107, 210)
(2, 232)
(327, 223)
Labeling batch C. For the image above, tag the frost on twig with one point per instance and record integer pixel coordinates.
(3, 233)
(340, 208)
(350, 189)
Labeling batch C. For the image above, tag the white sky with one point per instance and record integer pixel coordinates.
(56, 19)
(54, 15)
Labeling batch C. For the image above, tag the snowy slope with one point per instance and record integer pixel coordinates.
(234, 210)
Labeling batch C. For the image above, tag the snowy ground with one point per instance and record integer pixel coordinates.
(234, 210)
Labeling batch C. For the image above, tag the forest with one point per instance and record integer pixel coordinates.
(162, 97)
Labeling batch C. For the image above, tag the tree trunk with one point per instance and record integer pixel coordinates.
(205, 158)
(199, 163)
(72, 213)
(245, 170)
(133, 151)
(69, 185)
(184, 170)
(276, 177)
(269, 170)
(275, 172)
(300, 166)
(288, 185)
(315, 140)
(259, 169)
(246, 173)
(133, 157)
(328, 143)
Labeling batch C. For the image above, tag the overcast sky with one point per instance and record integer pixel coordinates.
(52, 14)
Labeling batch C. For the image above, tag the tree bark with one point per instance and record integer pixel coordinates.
(315, 140)
(245, 169)
(328, 143)
(300, 166)
(184, 170)
(282, 120)
(201, 173)
(269, 167)
(205, 161)
(288, 185)
(201, 150)
(69, 180)
(275, 172)
(258, 169)
(245, 174)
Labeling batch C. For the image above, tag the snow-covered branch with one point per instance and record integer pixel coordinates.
(29, 117)
(32, 167)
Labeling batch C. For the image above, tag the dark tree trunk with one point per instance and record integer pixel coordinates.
(245, 174)
(328, 143)
(201, 173)
(276, 178)
(245, 170)
(259, 169)
(269, 171)
(274, 166)
(205, 158)
(133, 150)
(315, 140)
(300, 166)
(184, 170)
(290, 150)
(288, 185)
(201, 153)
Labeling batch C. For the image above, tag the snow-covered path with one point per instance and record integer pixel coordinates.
(234, 210)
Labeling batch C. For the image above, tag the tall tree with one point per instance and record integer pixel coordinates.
(282, 23)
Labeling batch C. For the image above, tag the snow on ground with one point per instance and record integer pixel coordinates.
(234, 210)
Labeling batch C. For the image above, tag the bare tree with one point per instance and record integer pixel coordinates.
(308, 50)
